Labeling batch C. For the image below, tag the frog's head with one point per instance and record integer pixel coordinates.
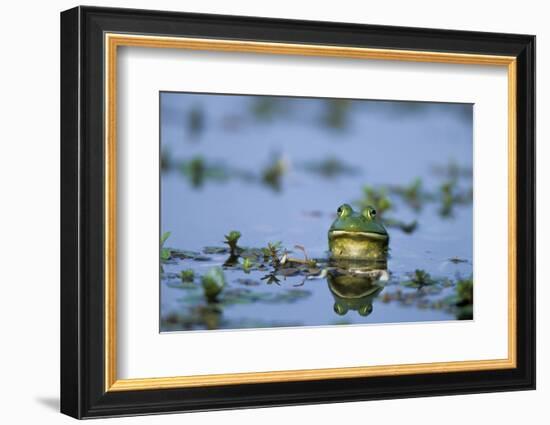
(357, 234)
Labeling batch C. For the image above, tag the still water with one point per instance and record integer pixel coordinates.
(276, 170)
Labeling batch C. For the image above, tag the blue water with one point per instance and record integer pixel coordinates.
(385, 143)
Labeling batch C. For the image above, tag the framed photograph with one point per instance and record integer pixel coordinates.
(261, 212)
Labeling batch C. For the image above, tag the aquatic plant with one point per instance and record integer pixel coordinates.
(215, 250)
(305, 262)
(197, 169)
(377, 198)
(412, 194)
(272, 252)
(419, 279)
(464, 299)
(247, 264)
(208, 316)
(266, 108)
(165, 253)
(457, 260)
(213, 283)
(195, 121)
(447, 198)
(404, 226)
(452, 171)
(465, 291)
(329, 167)
(166, 161)
(336, 113)
(273, 173)
(450, 195)
(187, 276)
(231, 239)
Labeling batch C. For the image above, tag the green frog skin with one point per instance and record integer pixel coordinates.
(356, 235)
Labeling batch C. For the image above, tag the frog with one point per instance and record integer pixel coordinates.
(356, 289)
(357, 235)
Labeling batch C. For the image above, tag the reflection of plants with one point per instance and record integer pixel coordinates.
(271, 278)
(213, 283)
(231, 239)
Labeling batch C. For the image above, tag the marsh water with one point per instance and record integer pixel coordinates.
(276, 169)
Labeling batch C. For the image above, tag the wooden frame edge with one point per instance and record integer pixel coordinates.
(114, 40)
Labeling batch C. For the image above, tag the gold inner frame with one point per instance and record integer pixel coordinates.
(113, 41)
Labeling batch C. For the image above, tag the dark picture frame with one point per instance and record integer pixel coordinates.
(88, 379)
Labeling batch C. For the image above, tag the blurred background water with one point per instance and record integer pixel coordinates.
(276, 169)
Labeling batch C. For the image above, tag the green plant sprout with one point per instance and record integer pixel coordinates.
(165, 253)
(247, 264)
(213, 283)
(187, 276)
(419, 279)
(231, 239)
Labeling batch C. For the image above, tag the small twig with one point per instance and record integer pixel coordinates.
(301, 248)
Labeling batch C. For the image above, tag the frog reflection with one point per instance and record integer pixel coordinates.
(354, 285)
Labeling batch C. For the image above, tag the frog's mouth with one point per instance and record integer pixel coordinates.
(358, 235)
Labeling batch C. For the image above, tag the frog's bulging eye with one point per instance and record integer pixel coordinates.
(365, 310)
(344, 210)
(340, 309)
(369, 213)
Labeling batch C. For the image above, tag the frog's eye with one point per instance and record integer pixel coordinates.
(340, 309)
(344, 210)
(365, 310)
(369, 213)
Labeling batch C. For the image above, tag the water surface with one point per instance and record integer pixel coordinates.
(276, 169)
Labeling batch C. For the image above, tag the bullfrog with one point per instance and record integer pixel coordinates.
(356, 289)
(357, 235)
